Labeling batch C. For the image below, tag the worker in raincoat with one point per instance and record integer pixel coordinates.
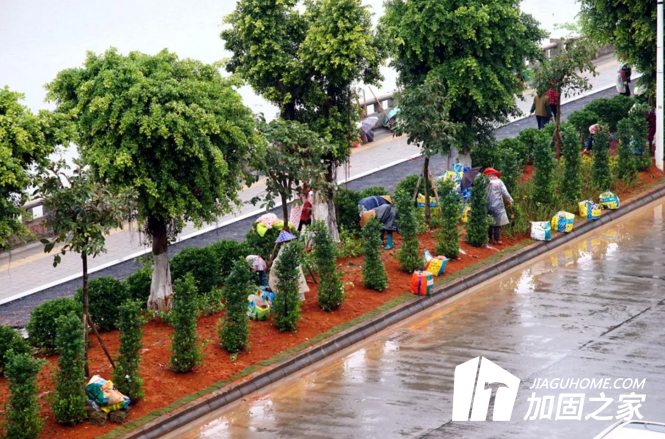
(382, 209)
(496, 193)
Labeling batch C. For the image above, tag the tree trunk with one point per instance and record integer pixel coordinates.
(160, 288)
(285, 211)
(84, 259)
(324, 204)
(426, 178)
(557, 131)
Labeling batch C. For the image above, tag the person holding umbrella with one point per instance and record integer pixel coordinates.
(496, 192)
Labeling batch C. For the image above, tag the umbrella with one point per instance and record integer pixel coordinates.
(368, 124)
(284, 236)
(468, 178)
(394, 112)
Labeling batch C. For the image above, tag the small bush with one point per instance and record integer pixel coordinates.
(105, 295)
(543, 177)
(138, 284)
(69, 400)
(374, 273)
(331, 290)
(185, 348)
(210, 303)
(233, 330)
(602, 174)
(126, 375)
(22, 419)
(409, 185)
(42, 326)
(527, 137)
(632, 133)
(479, 220)
(571, 186)
(520, 149)
(226, 253)
(262, 245)
(450, 214)
(202, 263)
(350, 244)
(287, 301)
(10, 339)
(510, 162)
(611, 110)
(407, 219)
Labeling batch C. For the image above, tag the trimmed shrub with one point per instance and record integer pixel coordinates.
(611, 110)
(520, 149)
(10, 339)
(226, 253)
(186, 351)
(450, 214)
(138, 285)
(632, 133)
(202, 263)
(105, 295)
(331, 290)
(69, 400)
(479, 220)
(286, 307)
(409, 185)
(527, 137)
(582, 120)
(408, 221)
(602, 174)
(126, 375)
(510, 162)
(42, 326)
(262, 245)
(22, 419)
(374, 273)
(233, 330)
(543, 177)
(571, 186)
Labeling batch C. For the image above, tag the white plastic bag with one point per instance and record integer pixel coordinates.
(541, 230)
(621, 87)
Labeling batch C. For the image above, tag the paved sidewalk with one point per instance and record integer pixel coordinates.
(28, 270)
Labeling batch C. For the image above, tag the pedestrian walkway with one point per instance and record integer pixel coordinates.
(28, 270)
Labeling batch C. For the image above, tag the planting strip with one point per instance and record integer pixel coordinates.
(189, 408)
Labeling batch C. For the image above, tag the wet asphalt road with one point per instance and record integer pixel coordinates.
(17, 313)
(593, 309)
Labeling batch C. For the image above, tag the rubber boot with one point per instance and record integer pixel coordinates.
(390, 241)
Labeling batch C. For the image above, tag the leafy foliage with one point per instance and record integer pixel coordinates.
(42, 325)
(286, 307)
(26, 140)
(510, 161)
(69, 399)
(409, 183)
(347, 205)
(186, 352)
(474, 49)
(126, 375)
(22, 419)
(571, 186)
(226, 252)
(450, 214)
(350, 244)
(234, 329)
(479, 222)
(582, 120)
(331, 290)
(202, 263)
(611, 110)
(138, 284)
(632, 133)
(10, 339)
(106, 294)
(527, 137)
(407, 219)
(374, 273)
(262, 245)
(543, 177)
(630, 25)
(602, 173)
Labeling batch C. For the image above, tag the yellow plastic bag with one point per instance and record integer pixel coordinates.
(563, 222)
(466, 210)
(589, 210)
(609, 200)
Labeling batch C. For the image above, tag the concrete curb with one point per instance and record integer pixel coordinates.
(344, 339)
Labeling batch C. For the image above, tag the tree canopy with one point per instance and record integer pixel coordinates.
(26, 140)
(630, 25)
(475, 48)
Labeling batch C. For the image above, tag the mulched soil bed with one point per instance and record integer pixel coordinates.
(163, 387)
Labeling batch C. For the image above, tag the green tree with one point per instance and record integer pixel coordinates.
(424, 118)
(479, 219)
(287, 301)
(407, 219)
(450, 214)
(69, 399)
(126, 375)
(543, 176)
(475, 48)
(629, 25)
(305, 60)
(564, 73)
(602, 173)
(22, 419)
(173, 130)
(234, 328)
(185, 348)
(331, 289)
(571, 186)
(26, 140)
(374, 273)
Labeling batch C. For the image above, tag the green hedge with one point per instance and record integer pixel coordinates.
(611, 110)
(201, 262)
(11, 339)
(105, 295)
(42, 326)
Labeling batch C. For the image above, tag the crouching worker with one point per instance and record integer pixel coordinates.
(257, 264)
(496, 192)
(382, 209)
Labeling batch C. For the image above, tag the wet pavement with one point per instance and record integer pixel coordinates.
(591, 312)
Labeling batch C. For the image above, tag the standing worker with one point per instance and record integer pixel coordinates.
(651, 121)
(496, 192)
(541, 106)
(554, 100)
(625, 73)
